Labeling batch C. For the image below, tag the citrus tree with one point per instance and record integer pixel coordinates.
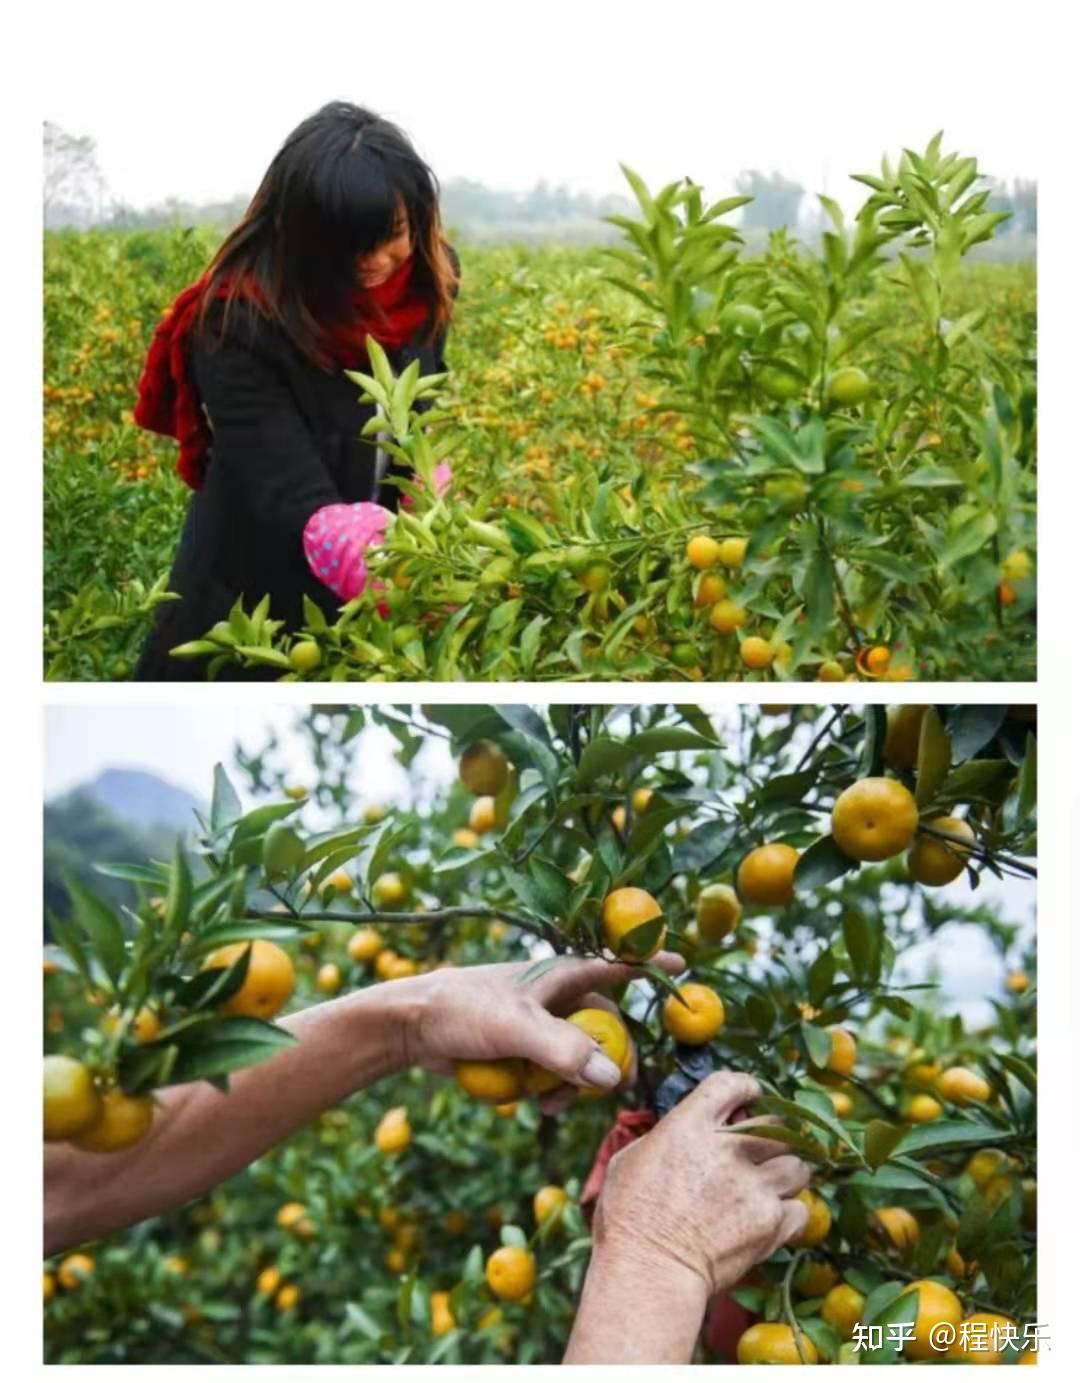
(792, 854)
(672, 460)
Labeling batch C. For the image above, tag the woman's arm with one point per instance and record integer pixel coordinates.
(200, 1137)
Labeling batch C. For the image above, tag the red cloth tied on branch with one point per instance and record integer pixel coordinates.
(629, 1126)
(168, 399)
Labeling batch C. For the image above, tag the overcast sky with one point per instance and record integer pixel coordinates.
(182, 744)
(193, 101)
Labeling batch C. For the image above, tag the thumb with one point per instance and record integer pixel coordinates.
(564, 1049)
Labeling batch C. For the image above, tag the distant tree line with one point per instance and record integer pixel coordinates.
(75, 195)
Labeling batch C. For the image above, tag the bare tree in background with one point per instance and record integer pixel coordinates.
(73, 187)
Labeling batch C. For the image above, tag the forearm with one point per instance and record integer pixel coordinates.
(636, 1313)
(200, 1137)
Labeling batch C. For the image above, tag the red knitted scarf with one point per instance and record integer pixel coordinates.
(168, 401)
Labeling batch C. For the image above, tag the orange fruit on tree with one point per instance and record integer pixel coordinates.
(766, 876)
(328, 980)
(48, 1286)
(814, 1278)
(937, 1306)
(1016, 981)
(625, 910)
(492, 1082)
(290, 1214)
(611, 1035)
(843, 1308)
(71, 1100)
(961, 1085)
(268, 983)
(641, 799)
(702, 552)
(726, 616)
(465, 838)
(935, 862)
(924, 1109)
(393, 1133)
(733, 551)
(830, 671)
(549, 1201)
(955, 1263)
(483, 769)
(511, 1272)
(771, 1342)
(122, 1121)
(401, 967)
(984, 1339)
(898, 1225)
(340, 881)
(288, 1297)
(145, 1026)
(442, 1318)
(708, 589)
(844, 1052)
(389, 889)
(695, 1015)
(756, 653)
(819, 1221)
(841, 1102)
(74, 1270)
(385, 962)
(717, 911)
(848, 386)
(268, 1281)
(482, 815)
(364, 945)
(874, 819)
(983, 1166)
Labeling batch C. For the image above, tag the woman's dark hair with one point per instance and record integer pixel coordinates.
(333, 192)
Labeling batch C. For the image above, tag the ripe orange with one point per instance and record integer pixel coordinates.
(770, 1342)
(482, 815)
(766, 876)
(624, 910)
(465, 838)
(268, 984)
(122, 1121)
(364, 945)
(483, 769)
(960, 1084)
(492, 1082)
(549, 1201)
(393, 1133)
(935, 862)
(733, 551)
(611, 1035)
(874, 819)
(924, 1109)
(726, 616)
(268, 1281)
(511, 1272)
(841, 1102)
(937, 1306)
(898, 1225)
(842, 1309)
(641, 799)
(818, 1223)
(703, 551)
(442, 1318)
(70, 1098)
(288, 1297)
(830, 671)
(709, 588)
(756, 653)
(290, 1214)
(1016, 981)
(717, 911)
(814, 1278)
(388, 890)
(844, 1052)
(696, 1016)
(328, 979)
(144, 1028)
(74, 1270)
(340, 881)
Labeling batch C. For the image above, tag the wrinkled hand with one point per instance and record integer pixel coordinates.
(693, 1195)
(485, 1013)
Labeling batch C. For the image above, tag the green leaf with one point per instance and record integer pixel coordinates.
(862, 940)
(225, 805)
(971, 728)
(526, 722)
(947, 1133)
(820, 977)
(880, 1140)
(935, 756)
(230, 1045)
(818, 1044)
(821, 863)
(817, 592)
(972, 537)
(875, 722)
(101, 926)
(704, 846)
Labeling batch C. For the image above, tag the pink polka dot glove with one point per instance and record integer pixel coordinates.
(335, 540)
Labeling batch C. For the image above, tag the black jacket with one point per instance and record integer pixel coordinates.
(286, 441)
